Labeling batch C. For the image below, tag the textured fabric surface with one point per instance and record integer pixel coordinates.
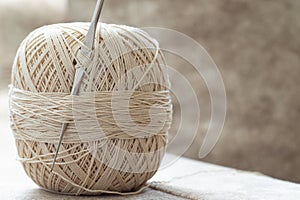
(197, 180)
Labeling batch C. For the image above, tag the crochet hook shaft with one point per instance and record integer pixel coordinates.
(86, 51)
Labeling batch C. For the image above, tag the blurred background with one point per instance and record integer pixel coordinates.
(255, 44)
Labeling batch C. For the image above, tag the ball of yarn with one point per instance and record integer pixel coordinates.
(118, 123)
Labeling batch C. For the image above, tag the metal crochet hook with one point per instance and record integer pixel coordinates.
(86, 50)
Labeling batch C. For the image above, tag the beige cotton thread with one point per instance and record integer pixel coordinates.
(118, 124)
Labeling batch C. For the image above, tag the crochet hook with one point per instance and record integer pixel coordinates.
(86, 51)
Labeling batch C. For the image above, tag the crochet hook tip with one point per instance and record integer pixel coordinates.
(63, 128)
(52, 166)
(54, 160)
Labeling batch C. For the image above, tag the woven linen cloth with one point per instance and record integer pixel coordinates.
(198, 180)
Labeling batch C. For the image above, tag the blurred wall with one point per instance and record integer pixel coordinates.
(256, 46)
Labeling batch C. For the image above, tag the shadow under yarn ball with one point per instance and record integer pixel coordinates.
(124, 79)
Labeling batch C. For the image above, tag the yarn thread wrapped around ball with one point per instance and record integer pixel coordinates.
(118, 124)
